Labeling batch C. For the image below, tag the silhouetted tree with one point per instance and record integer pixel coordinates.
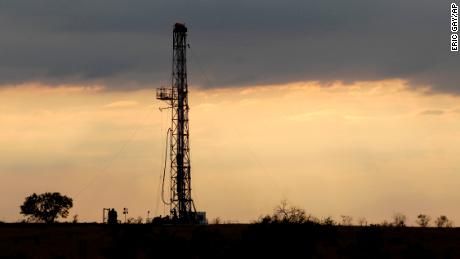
(362, 222)
(289, 214)
(443, 221)
(267, 219)
(423, 220)
(46, 207)
(329, 221)
(282, 210)
(284, 213)
(399, 220)
(346, 220)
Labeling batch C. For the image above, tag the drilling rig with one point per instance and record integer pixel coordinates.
(182, 207)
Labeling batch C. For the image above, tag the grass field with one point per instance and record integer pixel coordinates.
(225, 241)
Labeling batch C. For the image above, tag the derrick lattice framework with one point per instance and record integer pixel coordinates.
(182, 207)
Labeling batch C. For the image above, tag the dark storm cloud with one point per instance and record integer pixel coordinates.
(126, 44)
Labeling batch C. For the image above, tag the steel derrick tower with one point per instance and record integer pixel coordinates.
(182, 208)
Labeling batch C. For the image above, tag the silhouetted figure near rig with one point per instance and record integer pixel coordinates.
(112, 217)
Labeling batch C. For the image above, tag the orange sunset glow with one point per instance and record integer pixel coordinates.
(367, 149)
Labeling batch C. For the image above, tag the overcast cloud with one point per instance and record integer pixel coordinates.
(127, 44)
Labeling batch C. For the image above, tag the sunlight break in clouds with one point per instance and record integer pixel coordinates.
(367, 149)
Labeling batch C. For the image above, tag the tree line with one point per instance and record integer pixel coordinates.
(49, 206)
(288, 214)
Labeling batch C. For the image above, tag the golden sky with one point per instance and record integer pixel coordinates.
(367, 149)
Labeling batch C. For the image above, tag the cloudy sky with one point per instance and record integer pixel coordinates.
(341, 107)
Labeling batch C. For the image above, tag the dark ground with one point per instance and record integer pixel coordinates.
(225, 241)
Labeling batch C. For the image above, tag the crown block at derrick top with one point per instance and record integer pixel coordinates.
(180, 27)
